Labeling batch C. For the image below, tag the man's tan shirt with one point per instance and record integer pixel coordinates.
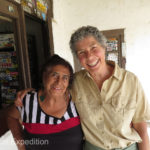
(106, 115)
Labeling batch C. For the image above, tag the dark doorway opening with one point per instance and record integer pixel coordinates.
(38, 49)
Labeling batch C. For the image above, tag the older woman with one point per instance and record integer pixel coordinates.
(49, 116)
(109, 99)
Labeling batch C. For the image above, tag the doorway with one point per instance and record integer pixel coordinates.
(12, 71)
(38, 49)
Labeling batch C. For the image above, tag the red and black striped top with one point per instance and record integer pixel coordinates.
(58, 133)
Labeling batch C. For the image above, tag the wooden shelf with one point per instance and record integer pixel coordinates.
(7, 49)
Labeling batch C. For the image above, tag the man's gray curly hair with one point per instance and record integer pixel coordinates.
(85, 31)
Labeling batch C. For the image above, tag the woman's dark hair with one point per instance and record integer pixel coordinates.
(54, 61)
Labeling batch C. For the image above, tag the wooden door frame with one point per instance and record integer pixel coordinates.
(14, 11)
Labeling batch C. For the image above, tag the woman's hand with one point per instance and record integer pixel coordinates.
(20, 96)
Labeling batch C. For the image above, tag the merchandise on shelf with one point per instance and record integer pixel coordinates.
(112, 44)
(8, 69)
(29, 6)
(42, 7)
(37, 7)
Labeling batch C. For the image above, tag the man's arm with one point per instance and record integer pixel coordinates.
(15, 126)
(141, 128)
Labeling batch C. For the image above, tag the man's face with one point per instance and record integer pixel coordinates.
(90, 53)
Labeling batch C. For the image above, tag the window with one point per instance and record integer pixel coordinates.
(114, 51)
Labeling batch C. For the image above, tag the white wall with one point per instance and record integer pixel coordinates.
(133, 16)
(60, 30)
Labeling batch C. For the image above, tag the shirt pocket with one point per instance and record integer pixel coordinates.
(129, 109)
(118, 103)
(87, 108)
(124, 106)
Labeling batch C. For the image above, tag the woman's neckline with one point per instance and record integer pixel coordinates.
(67, 108)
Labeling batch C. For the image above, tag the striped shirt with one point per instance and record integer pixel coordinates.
(64, 132)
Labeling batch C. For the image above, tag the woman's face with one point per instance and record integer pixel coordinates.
(90, 53)
(56, 80)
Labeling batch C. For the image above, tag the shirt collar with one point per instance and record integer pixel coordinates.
(116, 74)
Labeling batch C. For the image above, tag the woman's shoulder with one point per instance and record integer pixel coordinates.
(130, 76)
(80, 73)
